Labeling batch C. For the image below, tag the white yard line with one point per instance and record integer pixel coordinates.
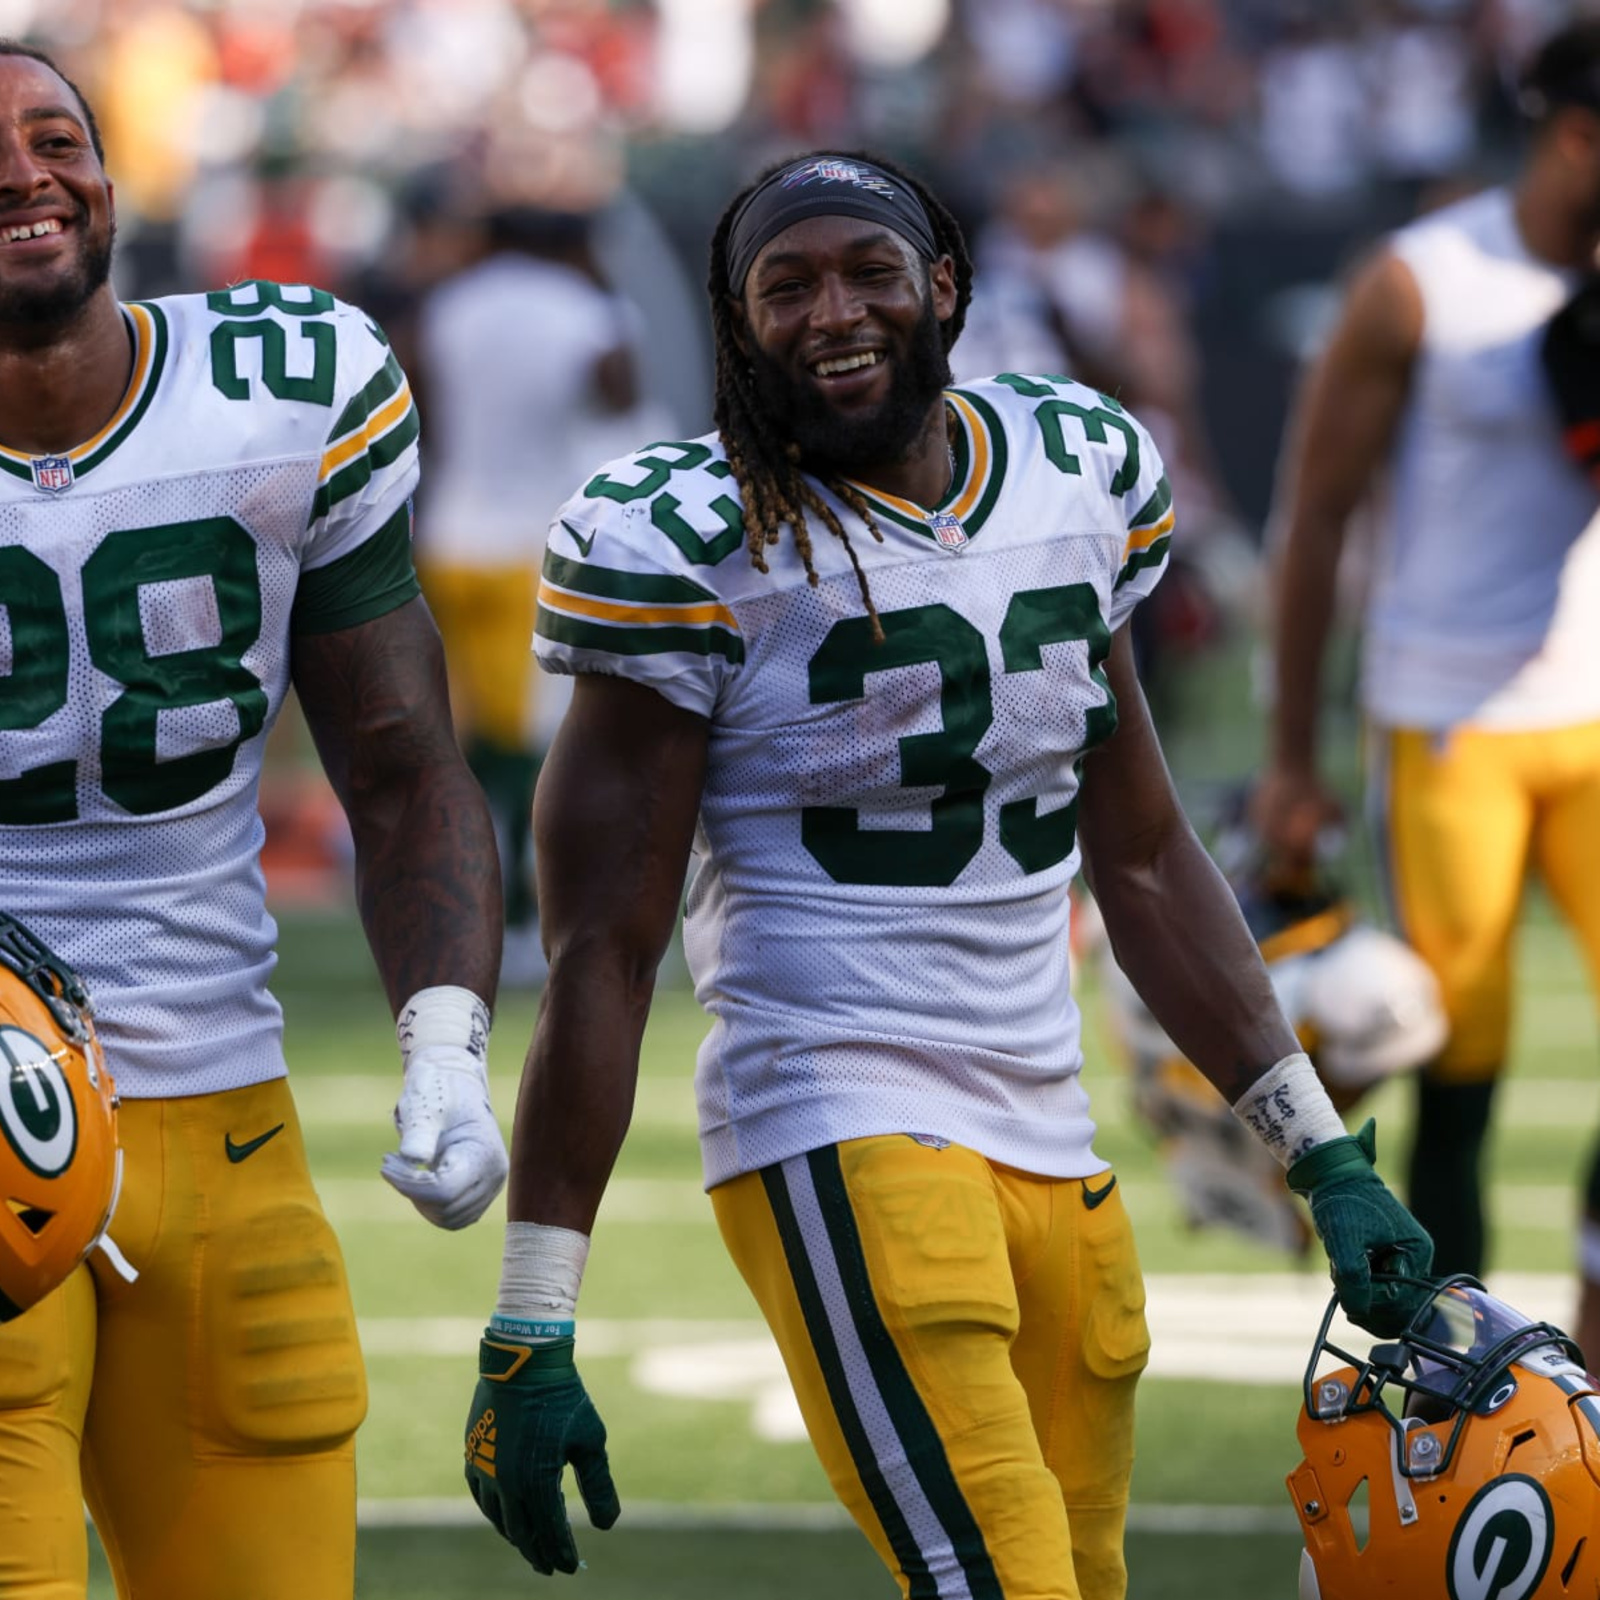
(807, 1517)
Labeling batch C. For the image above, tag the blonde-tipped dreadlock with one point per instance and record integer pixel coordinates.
(766, 467)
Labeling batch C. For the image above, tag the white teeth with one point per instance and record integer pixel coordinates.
(827, 369)
(29, 230)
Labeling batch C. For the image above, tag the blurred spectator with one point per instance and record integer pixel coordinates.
(1107, 303)
(1314, 108)
(518, 355)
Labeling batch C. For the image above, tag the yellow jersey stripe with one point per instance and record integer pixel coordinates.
(979, 436)
(375, 426)
(563, 600)
(1143, 538)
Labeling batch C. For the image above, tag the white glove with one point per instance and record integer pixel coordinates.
(452, 1158)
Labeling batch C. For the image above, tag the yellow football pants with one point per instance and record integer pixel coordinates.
(1459, 820)
(485, 617)
(207, 1411)
(964, 1340)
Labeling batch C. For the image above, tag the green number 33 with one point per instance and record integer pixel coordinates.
(935, 857)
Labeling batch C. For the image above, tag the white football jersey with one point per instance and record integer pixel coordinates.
(254, 483)
(509, 350)
(878, 917)
(1485, 606)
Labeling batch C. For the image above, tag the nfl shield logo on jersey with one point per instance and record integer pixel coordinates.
(946, 528)
(52, 473)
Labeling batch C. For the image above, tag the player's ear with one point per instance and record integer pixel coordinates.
(942, 286)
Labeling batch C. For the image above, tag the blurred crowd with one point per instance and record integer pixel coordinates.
(359, 143)
(299, 138)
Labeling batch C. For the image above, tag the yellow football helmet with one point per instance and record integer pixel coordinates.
(60, 1166)
(1459, 1462)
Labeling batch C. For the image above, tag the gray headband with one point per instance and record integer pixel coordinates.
(824, 186)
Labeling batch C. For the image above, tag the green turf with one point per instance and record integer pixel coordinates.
(742, 1564)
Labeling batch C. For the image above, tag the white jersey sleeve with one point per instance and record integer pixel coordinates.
(1150, 524)
(626, 587)
(302, 345)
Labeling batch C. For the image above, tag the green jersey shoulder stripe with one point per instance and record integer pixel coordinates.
(1152, 556)
(383, 383)
(375, 578)
(357, 473)
(1155, 508)
(622, 640)
(607, 583)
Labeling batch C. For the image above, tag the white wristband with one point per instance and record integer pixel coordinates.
(540, 1274)
(1288, 1110)
(445, 1014)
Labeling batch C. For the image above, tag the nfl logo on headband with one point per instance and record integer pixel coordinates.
(832, 170)
(52, 474)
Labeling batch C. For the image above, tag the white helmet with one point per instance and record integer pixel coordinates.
(1365, 1008)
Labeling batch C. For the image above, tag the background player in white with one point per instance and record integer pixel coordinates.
(523, 358)
(877, 725)
(1481, 653)
(202, 500)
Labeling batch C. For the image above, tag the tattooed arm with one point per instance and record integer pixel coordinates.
(427, 870)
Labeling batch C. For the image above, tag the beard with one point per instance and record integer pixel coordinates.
(848, 446)
(47, 306)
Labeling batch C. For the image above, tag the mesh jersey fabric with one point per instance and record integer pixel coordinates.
(878, 916)
(267, 440)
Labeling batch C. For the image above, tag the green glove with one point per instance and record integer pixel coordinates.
(530, 1417)
(1378, 1253)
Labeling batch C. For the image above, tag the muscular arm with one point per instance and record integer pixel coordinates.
(1174, 924)
(613, 820)
(1342, 432)
(427, 870)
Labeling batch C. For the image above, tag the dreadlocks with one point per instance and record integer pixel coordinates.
(766, 467)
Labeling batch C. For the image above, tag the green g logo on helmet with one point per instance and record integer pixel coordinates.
(37, 1114)
(60, 1163)
(1503, 1541)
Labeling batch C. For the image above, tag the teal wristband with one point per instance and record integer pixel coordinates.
(531, 1329)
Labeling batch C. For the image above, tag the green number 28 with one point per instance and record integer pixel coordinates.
(935, 857)
(215, 550)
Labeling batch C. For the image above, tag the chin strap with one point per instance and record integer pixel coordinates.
(105, 1244)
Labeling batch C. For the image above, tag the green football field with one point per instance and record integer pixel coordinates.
(721, 1497)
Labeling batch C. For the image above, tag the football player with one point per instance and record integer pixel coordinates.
(856, 648)
(522, 353)
(203, 501)
(1481, 670)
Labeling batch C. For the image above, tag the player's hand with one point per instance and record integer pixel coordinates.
(1378, 1253)
(1292, 811)
(530, 1418)
(452, 1157)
